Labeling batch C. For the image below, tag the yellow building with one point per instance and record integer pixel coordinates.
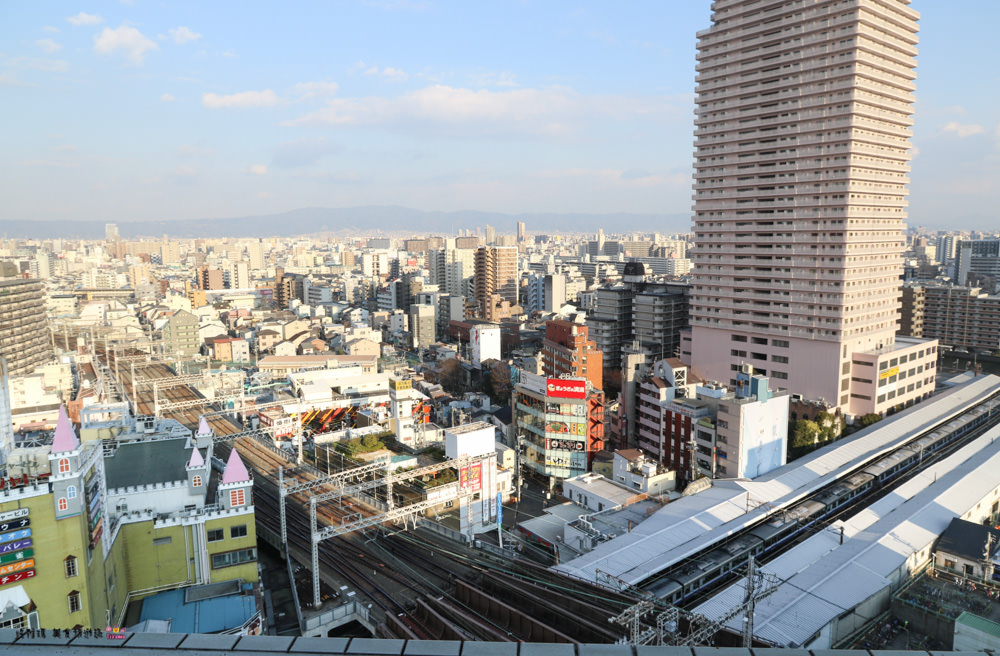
(116, 520)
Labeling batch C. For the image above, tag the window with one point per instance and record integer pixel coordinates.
(231, 558)
(196, 481)
(70, 566)
(20, 622)
(237, 498)
(216, 534)
(71, 492)
(238, 531)
(74, 601)
(64, 465)
(62, 504)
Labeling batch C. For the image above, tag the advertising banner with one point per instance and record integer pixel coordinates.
(565, 389)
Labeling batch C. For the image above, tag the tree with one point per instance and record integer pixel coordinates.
(499, 382)
(450, 375)
(830, 426)
(805, 433)
(612, 383)
(869, 419)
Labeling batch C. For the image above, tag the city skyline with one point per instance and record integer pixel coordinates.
(129, 112)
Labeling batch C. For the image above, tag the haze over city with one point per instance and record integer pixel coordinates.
(139, 111)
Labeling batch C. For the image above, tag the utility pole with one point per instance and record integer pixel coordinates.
(749, 602)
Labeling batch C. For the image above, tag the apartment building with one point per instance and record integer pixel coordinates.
(803, 126)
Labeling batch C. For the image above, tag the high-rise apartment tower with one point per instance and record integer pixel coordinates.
(802, 152)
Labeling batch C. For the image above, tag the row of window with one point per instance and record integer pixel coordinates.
(217, 534)
(231, 558)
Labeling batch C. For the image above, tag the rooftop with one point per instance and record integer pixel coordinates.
(134, 644)
(694, 522)
(190, 611)
(824, 576)
(147, 463)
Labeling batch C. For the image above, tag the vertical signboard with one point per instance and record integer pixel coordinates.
(95, 506)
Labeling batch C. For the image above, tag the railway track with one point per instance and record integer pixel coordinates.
(422, 588)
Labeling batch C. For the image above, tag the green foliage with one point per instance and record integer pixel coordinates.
(805, 433)
(441, 478)
(869, 419)
(357, 445)
(830, 426)
(435, 452)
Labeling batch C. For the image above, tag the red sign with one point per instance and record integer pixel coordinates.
(16, 576)
(566, 389)
(476, 476)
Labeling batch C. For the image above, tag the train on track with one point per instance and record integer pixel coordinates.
(683, 581)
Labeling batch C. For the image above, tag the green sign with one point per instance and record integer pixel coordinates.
(16, 555)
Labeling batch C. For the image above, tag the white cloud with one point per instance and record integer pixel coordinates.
(10, 80)
(389, 73)
(264, 195)
(963, 130)
(130, 41)
(36, 64)
(48, 45)
(302, 152)
(65, 148)
(166, 98)
(265, 98)
(85, 19)
(191, 150)
(631, 178)
(257, 169)
(51, 29)
(494, 80)
(185, 174)
(554, 112)
(50, 163)
(310, 90)
(182, 35)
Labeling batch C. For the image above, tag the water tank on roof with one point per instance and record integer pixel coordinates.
(634, 272)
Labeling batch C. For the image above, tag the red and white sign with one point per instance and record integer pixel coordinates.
(17, 576)
(566, 389)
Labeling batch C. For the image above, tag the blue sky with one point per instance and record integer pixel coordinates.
(142, 110)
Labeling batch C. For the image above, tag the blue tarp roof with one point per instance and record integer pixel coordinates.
(205, 616)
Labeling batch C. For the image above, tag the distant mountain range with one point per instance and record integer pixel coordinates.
(355, 221)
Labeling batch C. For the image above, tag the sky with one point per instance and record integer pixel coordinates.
(156, 110)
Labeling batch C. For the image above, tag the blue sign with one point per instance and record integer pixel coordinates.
(15, 546)
(499, 509)
(16, 535)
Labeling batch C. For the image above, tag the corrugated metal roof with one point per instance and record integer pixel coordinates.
(690, 524)
(978, 623)
(823, 579)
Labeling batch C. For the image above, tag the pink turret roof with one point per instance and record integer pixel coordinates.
(196, 459)
(203, 428)
(236, 471)
(65, 438)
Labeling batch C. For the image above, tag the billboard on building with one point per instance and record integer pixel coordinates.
(562, 388)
